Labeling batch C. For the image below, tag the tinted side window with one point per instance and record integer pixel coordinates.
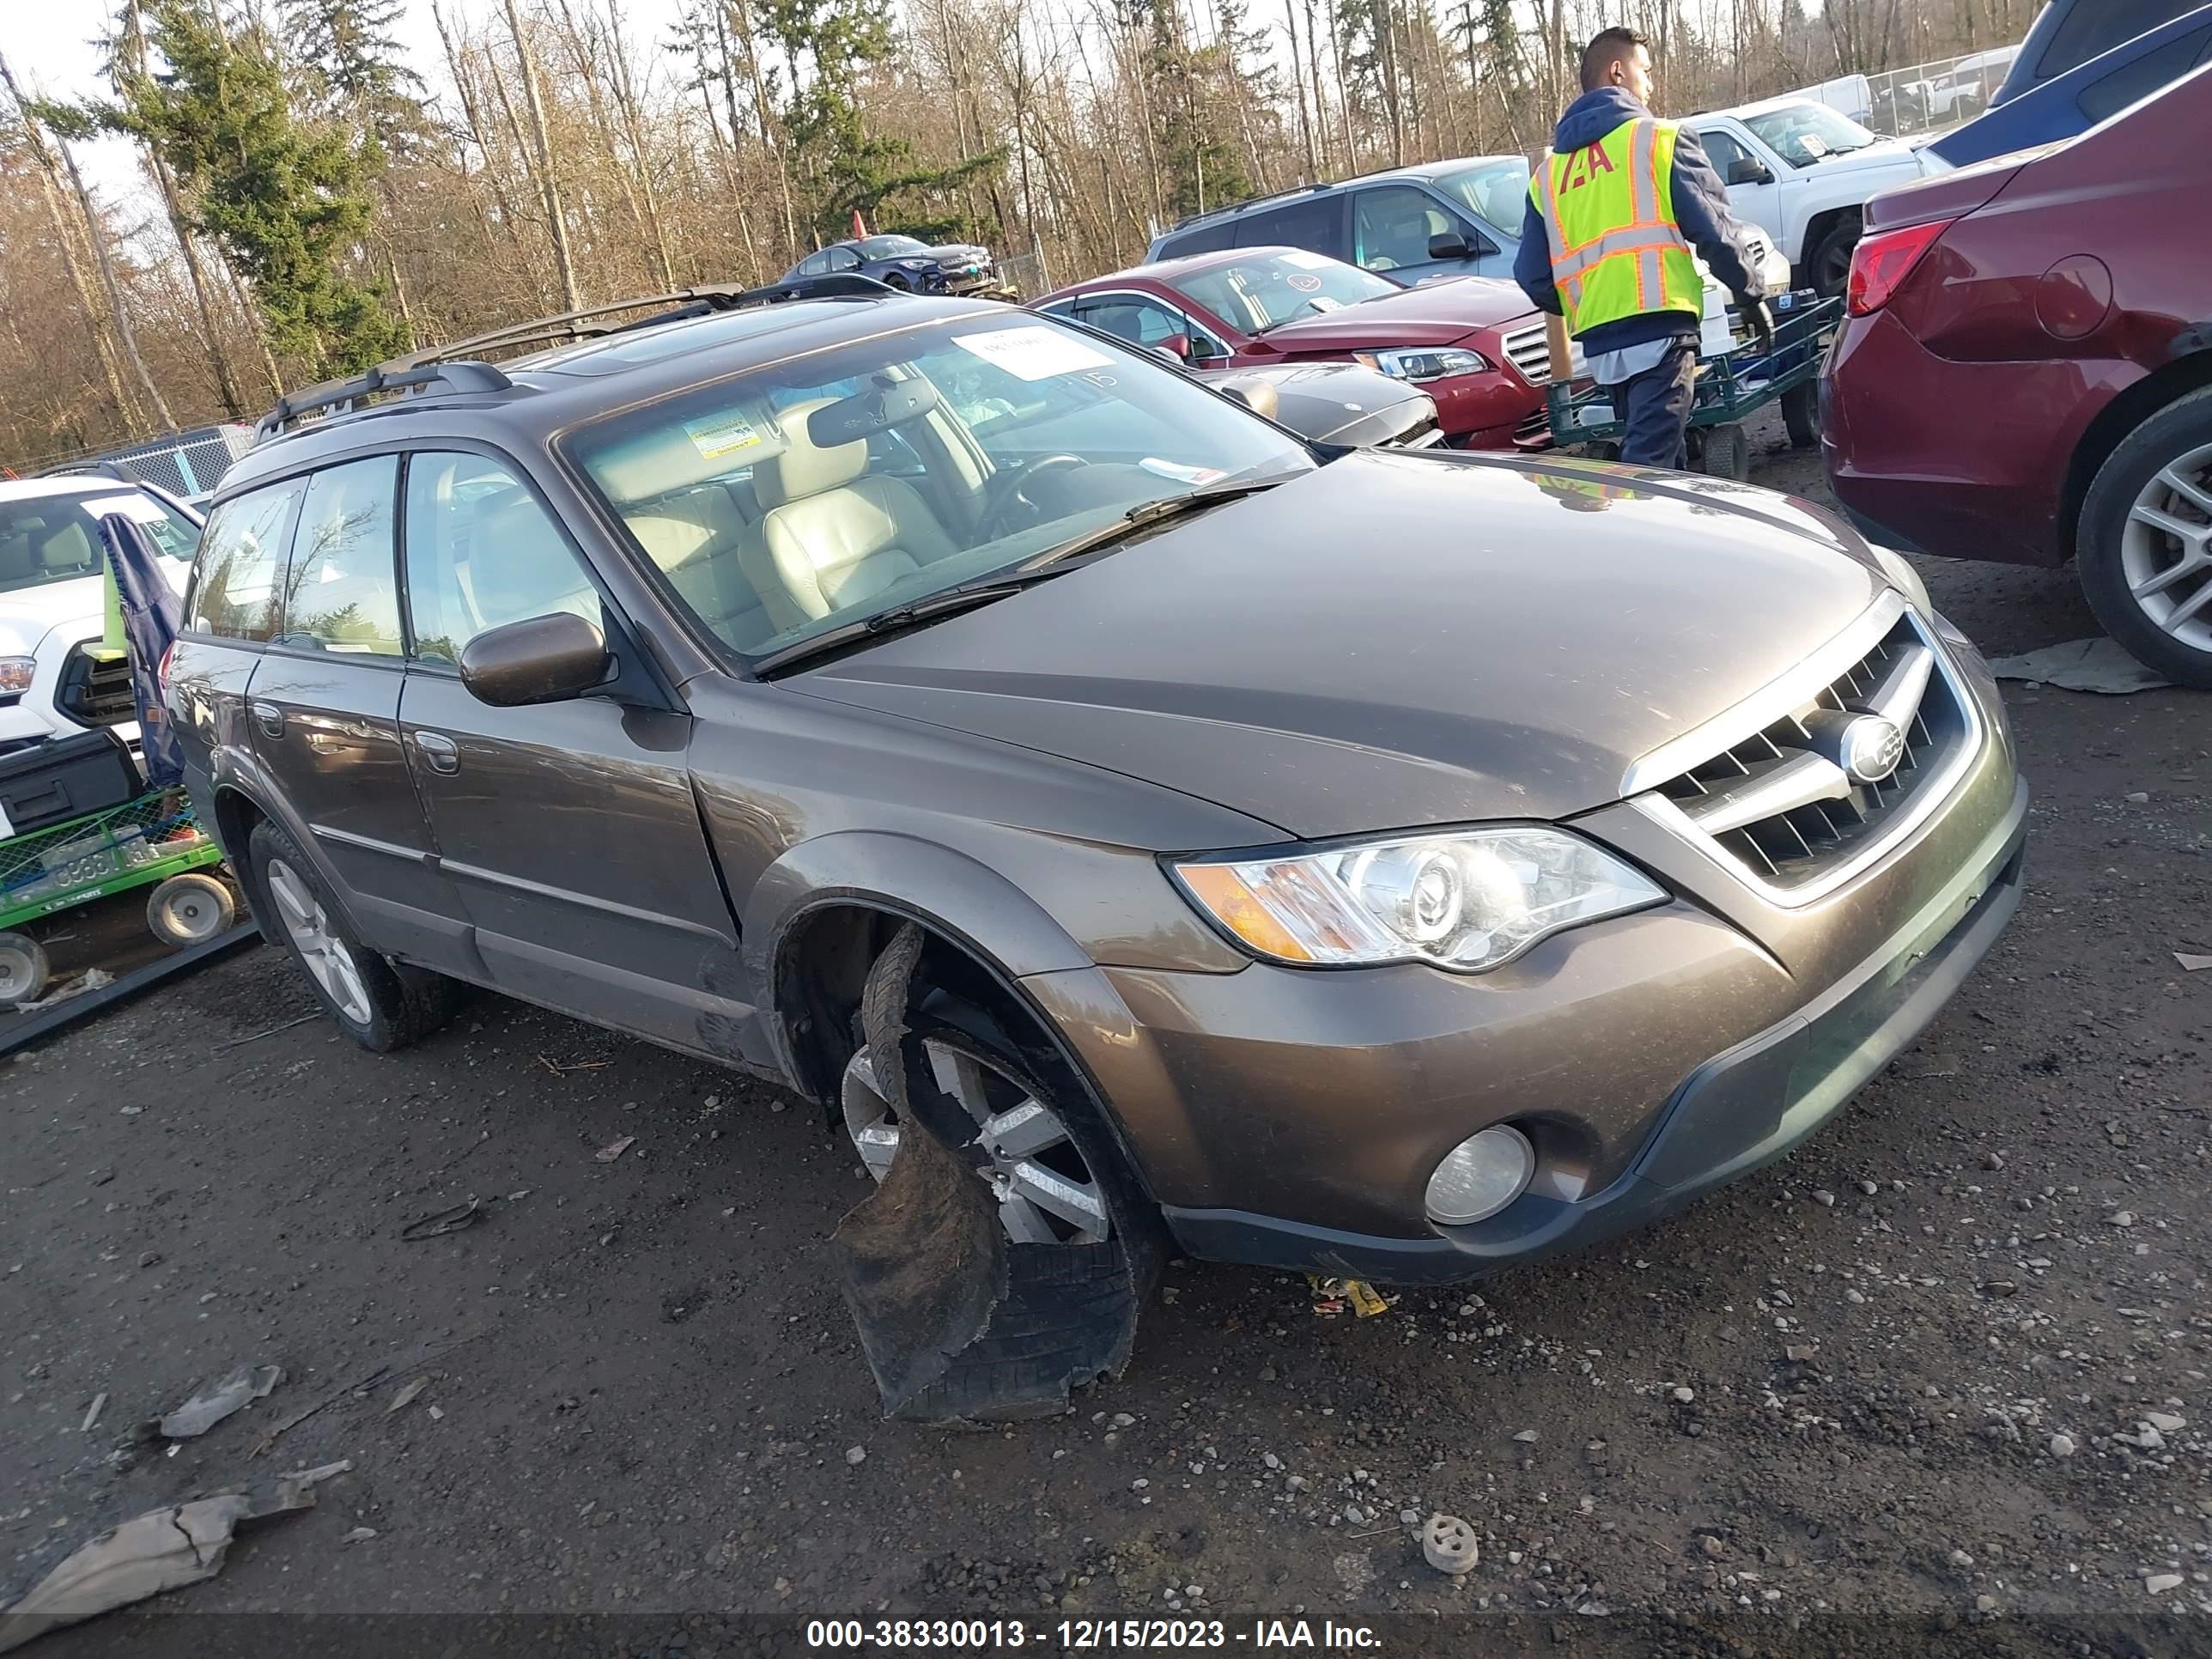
(241, 551)
(1140, 322)
(341, 587)
(1198, 239)
(482, 552)
(1315, 225)
(2122, 87)
(2098, 25)
(1723, 151)
(843, 259)
(814, 264)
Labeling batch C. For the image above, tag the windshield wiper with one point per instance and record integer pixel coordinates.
(930, 607)
(1145, 515)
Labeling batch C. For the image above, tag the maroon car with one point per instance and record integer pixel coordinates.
(2026, 373)
(1473, 344)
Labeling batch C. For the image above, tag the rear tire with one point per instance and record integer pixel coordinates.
(2144, 546)
(1727, 453)
(379, 1004)
(1828, 266)
(189, 909)
(24, 969)
(1800, 414)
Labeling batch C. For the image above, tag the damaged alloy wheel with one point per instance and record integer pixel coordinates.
(1044, 1189)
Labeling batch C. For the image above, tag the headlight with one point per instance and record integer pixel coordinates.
(1904, 578)
(16, 675)
(1466, 899)
(1434, 364)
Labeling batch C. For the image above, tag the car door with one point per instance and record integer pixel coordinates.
(323, 709)
(570, 829)
(1754, 175)
(1150, 323)
(1392, 229)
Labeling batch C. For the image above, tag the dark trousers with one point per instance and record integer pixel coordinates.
(1656, 404)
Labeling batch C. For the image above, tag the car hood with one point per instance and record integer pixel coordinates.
(27, 615)
(1435, 314)
(1331, 403)
(1397, 640)
(959, 252)
(1887, 153)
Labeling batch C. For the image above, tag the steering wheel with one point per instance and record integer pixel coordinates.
(1007, 488)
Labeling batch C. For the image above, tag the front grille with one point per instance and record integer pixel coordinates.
(1534, 428)
(95, 691)
(1784, 803)
(1528, 350)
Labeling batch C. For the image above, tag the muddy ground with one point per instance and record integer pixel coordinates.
(1888, 1394)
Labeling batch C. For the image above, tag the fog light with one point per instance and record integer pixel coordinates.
(1480, 1175)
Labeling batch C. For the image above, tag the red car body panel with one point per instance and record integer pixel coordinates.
(1488, 409)
(1967, 417)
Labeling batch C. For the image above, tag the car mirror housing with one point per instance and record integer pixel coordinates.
(1447, 245)
(1748, 170)
(540, 659)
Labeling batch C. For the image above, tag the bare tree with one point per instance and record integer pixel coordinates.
(549, 183)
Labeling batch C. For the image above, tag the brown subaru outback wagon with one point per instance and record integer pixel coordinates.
(1384, 863)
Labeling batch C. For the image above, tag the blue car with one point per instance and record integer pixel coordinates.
(908, 262)
(2032, 111)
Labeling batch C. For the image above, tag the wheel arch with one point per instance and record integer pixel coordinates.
(240, 802)
(1817, 225)
(2190, 370)
(825, 911)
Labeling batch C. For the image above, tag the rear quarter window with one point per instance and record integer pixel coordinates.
(234, 588)
(1198, 239)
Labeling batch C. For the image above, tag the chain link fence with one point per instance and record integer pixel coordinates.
(1934, 97)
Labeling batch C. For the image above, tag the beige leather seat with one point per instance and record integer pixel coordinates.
(835, 537)
(714, 560)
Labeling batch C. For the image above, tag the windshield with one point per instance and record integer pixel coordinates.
(1803, 134)
(1265, 288)
(891, 248)
(1496, 191)
(862, 478)
(56, 538)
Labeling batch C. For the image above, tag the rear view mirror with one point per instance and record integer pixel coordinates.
(1447, 245)
(541, 660)
(884, 404)
(1748, 170)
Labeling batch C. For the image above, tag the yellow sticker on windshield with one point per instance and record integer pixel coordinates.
(721, 435)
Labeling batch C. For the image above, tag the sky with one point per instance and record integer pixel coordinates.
(51, 45)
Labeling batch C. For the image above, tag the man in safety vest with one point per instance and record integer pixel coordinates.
(1613, 214)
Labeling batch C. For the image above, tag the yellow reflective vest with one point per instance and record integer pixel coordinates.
(1608, 211)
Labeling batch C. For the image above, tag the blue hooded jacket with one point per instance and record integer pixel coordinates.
(1701, 208)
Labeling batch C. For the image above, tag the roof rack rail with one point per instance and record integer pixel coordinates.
(1190, 219)
(458, 365)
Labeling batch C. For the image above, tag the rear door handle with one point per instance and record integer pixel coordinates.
(440, 753)
(270, 718)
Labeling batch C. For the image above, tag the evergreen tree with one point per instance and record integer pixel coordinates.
(286, 201)
(350, 60)
(832, 46)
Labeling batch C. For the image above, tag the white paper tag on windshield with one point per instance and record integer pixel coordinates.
(1036, 352)
(1306, 261)
(717, 435)
(139, 509)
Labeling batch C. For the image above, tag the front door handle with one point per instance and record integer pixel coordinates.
(440, 753)
(270, 718)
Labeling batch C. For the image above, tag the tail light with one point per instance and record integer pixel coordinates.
(1881, 262)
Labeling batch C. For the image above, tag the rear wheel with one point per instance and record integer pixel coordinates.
(1828, 266)
(2144, 548)
(1728, 451)
(189, 909)
(1800, 414)
(24, 969)
(379, 1004)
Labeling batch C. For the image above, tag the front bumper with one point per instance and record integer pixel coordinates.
(1290, 1118)
(1739, 1110)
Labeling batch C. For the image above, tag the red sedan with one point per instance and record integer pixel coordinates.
(1473, 344)
(2026, 372)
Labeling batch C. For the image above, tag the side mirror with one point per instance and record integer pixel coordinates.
(540, 659)
(1749, 170)
(1449, 244)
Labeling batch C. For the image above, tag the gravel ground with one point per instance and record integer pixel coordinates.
(1938, 1381)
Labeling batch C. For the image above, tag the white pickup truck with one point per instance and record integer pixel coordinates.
(1802, 172)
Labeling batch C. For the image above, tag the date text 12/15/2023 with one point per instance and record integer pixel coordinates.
(1079, 1635)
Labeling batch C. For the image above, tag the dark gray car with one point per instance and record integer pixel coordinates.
(1399, 866)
